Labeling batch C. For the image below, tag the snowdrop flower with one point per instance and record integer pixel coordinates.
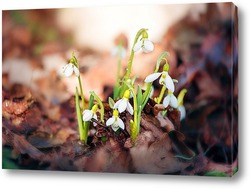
(119, 51)
(124, 104)
(68, 70)
(180, 107)
(171, 100)
(165, 79)
(89, 114)
(144, 44)
(182, 110)
(115, 121)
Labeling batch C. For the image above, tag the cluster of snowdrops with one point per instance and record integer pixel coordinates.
(124, 90)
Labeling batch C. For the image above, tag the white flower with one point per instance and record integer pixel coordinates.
(124, 104)
(115, 121)
(68, 70)
(165, 79)
(87, 115)
(119, 51)
(180, 107)
(144, 44)
(182, 110)
(171, 100)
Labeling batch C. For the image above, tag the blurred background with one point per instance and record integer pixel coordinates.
(38, 42)
(201, 38)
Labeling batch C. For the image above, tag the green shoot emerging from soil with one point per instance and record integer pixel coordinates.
(124, 90)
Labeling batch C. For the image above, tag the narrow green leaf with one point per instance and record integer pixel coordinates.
(100, 104)
(111, 102)
(139, 96)
(139, 120)
(91, 102)
(116, 92)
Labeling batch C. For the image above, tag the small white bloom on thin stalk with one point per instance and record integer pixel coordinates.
(165, 78)
(115, 121)
(124, 104)
(171, 100)
(180, 107)
(144, 44)
(68, 70)
(119, 51)
(87, 115)
(182, 110)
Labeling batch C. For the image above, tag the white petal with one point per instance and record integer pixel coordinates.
(123, 105)
(116, 105)
(115, 127)
(137, 46)
(76, 71)
(152, 92)
(169, 83)
(166, 101)
(173, 101)
(68, 70)
(123, 53)
(182, 112)
(148, 46)
(114, 51)
(95, 117)
(87, 115)
(130, 108)
(152, 77)
(120, 123)
(110, 121)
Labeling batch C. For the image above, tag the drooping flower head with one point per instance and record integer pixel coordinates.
(119, 52)
(68, 70)
(165, 79)
(171, 100)
(124, 104)
(89, 114)
(180, 107)
(144, 44)
(115, 122)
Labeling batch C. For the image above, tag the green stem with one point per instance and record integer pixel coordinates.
(141, 32)
(119, 65)
(79, 80)
(79, 116)
(159, 99)
(100, 104)
(81, 91)
(146, 94)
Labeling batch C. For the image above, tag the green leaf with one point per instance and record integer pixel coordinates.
(111, 102)
(139, 96)
(100, 104)
(91, 102)
(116, 91)
(215, 174)
(160, 58)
